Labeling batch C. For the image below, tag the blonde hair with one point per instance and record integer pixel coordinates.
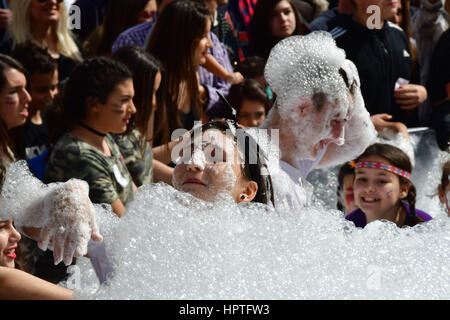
(20, 29)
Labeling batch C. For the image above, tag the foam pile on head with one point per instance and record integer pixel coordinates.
(318, 99)
(301, 66)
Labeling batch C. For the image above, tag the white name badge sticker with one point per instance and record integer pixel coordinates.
(120, 179)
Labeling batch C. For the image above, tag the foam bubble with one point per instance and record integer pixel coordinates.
(307, 73)
(171, 245)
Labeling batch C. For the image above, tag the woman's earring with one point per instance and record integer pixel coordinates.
(242, 197)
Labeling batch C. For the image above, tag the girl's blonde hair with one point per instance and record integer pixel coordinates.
(20, 29)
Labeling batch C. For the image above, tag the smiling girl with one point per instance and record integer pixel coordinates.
(383, 188)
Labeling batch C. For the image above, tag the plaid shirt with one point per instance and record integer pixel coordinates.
(134, 36)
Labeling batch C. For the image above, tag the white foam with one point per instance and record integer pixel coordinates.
(305, 72)
(171, 245)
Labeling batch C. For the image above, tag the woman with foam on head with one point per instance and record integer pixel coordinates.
(383, 188)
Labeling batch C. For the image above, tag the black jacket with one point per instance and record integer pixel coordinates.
(381, 56)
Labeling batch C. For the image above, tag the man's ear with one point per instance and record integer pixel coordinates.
(248, 193)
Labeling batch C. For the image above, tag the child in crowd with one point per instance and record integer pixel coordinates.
(42, 80)
(444, 187)
(346, 197)
(251, 102)
(383, 188)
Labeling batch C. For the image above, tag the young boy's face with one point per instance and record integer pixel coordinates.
(43, 89)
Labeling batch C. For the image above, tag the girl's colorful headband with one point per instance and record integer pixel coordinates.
(383, 166)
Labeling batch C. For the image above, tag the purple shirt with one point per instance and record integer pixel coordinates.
(134, 36)
(137, 35)
(359, 217)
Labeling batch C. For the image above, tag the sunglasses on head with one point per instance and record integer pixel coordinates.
(42, 1)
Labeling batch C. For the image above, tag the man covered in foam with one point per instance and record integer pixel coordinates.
(319, 112)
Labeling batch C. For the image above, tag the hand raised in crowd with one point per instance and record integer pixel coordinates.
(234, 78)
(410, 96)
(382, 123)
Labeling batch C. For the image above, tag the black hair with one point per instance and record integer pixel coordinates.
(251, 67)
(144, 68)
(95, 78)
(261, 40)
(34, 58)
(249, 89)
(6, 63)
(344, 170)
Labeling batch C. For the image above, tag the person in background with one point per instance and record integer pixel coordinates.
(44, 22)
(42, 84)
(383, 60)
(428, 23)
(272, 21)
(253, 68)
(444, 187)
(346, 197)
(383, 189)
(182, 93)
(14, 102)
(120, 15)
(5, 18)
(223, 30)
(438, 86)
(251, 102)
(321, 22)
(136, 143)
(93, 13)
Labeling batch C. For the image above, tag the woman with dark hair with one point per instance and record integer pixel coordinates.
(98, 100)
(14, 99)
(182, 47)
(272, 21)
(383, 188)
(120, 15)
(135, 144)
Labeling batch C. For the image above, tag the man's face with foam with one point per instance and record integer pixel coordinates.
(310, 77)
(312, 123)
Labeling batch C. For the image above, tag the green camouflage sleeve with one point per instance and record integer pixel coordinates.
(69, 162)
(138, 161)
